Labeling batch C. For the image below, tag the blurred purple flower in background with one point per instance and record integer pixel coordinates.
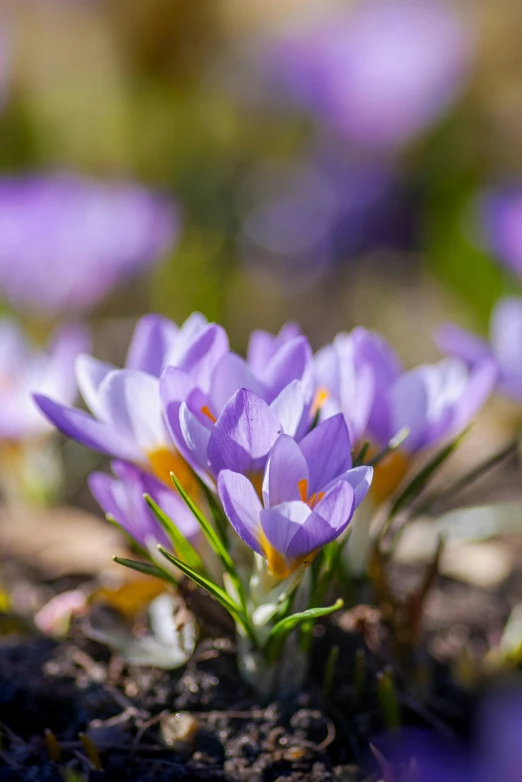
(380, 74)
(24, 369)
(66, 241)
(493, 755)
(500, 218)
(504, 348)
(301, 216)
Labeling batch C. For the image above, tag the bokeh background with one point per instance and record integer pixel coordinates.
(244, 115)
(323, 162)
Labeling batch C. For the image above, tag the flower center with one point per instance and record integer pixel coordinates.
(321, 396)
(278, 566)
(164, 461)
(208, 412)
(312, 501)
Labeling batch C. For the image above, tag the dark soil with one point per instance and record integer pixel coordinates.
(77, 687)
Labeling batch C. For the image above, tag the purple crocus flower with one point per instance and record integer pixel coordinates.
(121, 497)
(347, 378)
(304, 215)
(434, 401)
(66, 241)
(381, 74)
(504, 348)
(493, 755)
(500, 215)
(127, 418)
(23, 368)
(309, 494)
(211, 426)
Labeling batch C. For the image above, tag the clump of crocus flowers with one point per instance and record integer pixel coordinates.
(243, 474)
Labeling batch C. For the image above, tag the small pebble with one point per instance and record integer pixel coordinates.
(179, 730)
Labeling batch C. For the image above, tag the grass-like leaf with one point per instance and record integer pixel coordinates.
(361, 456)
(218, 592)
(213, 538)
(419, 481)
(285, 626)
(146, 568)
(394, 443)
(186, 551)
(211, 534)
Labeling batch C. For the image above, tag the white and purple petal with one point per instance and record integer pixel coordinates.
(242, 507)
(285, 470)
(94, 434)
(153, 339)
(327, 521)
(130, 401)
(327, 450)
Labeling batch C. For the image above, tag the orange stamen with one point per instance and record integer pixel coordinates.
(302, 485)
(314, 499)
(206, 411)
(321, 396)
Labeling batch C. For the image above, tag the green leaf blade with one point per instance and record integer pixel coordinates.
(285, 626)
(181, 545)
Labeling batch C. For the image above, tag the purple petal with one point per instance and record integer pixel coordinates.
(243, 435)
(357, 382)
(53, 375)
(285, 470)
(89, 374)
(153, 338)
(327, 450)
(195, 439)
(359, 478)
(330, 517)
(262, 345)
(123, 500)
(373, 349)
(14, 348)
(231, 374)
(242, 507)
(376, 358)
(481, 383)
(101, 486)
(506, 338)
(327, 370)
(203, 354)
(194, 325)
(282, 523)
(86, 430)
(130, 401)
(291, 409)
(175, 387)
(293, 361)
(408, 405)
(461, 343)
